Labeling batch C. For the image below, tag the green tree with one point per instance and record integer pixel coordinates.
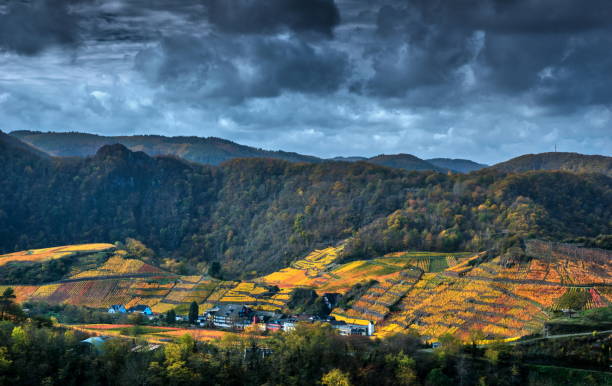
(437, 378)
(137, 318)
(6, 301)
(215, 269)
(5, 362)
(450, 345)
(402, 367)
(336, 378)
(194, 310)
(171, 316)
(137, 249)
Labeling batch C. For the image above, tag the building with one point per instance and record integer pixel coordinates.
(229, 315)
(140, 309)
(202, 320)
(96, 342)
(353, 329)
(274, 326)
(116, 309)
(289, 324)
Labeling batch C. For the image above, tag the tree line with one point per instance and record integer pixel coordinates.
(33, 351)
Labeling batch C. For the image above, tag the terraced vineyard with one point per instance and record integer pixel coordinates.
(376, 303)
(432, 293)
(46, 254)
(502, 302)
(440, 304)
(305, 272)
(327, 276)
(118, 265)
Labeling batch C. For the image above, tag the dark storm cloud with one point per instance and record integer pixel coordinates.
(486, 46)
(244, 67)
(485, 78)
(28, 28)
(271, 16)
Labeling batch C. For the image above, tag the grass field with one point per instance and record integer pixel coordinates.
(45, 254)
(150, 333)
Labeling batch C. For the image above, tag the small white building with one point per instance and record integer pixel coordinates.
(116, 309)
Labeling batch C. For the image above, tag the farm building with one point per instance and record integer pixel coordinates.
(116, 309)
(141, 309)
(96, 342)
(228, 316)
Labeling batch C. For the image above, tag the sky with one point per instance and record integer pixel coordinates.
(486, 80)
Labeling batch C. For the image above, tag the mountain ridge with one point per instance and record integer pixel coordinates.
(204, 150)
(573, 162)
(456, 164)
(208, 150)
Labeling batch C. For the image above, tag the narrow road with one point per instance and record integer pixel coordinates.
(559, 336)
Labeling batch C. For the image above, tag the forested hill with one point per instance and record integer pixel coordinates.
(459, 165)
(214, 151)
(573, 162)
(411, 162)
(211, 150)
(404, 161)
(9, 144)
(260, 214)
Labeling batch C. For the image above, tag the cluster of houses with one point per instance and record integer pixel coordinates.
(138, 309)
(241, 317)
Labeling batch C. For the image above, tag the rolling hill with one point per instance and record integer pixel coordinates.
(9, 144)
(456, 165)
(254, 215)
(573, 162)
(397, 161)
(405, 162)
(410, 162)
(211, 150)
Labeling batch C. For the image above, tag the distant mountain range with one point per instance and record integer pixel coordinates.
(214, 151)
(210, 150)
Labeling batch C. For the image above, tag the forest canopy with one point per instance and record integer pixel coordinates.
(257, 215)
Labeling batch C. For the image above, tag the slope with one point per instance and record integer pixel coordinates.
(456, 165)
(404, 161)
(254, 215)
(14, 145)
(211, 150)
(434, 294)
(574, 162)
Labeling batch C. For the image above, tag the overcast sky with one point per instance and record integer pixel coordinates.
(480, 79)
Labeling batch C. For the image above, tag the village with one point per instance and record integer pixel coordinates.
(240, 317)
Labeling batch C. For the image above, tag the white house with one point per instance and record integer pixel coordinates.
(141, 309)
(116, 309)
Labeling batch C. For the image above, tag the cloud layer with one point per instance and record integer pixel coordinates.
(481, 79)
(30, 28)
